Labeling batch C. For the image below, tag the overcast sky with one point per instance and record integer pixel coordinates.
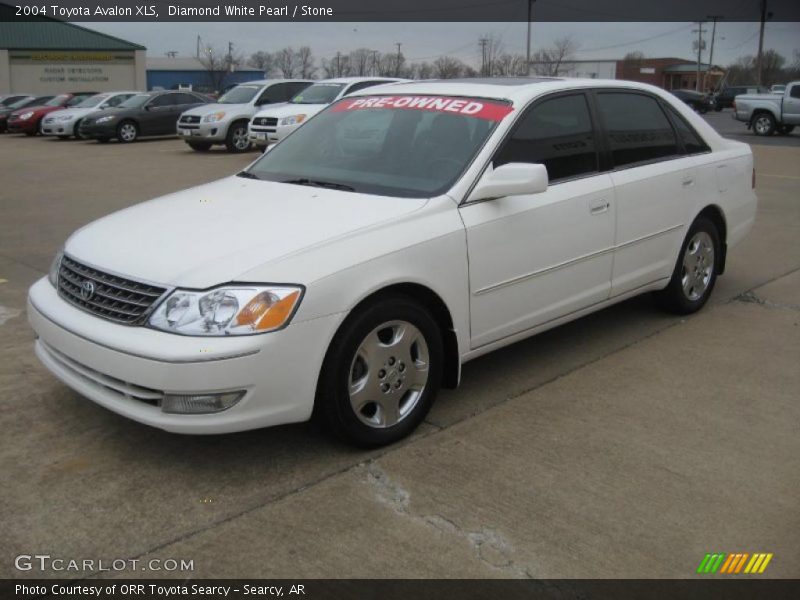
(428, 41)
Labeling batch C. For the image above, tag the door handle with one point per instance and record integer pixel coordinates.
(687, 181)
(599, 207)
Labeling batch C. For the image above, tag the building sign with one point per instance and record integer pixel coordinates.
(57, 71)
(647, 70)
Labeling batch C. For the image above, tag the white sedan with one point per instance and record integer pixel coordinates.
(65, 123)
(353, 269)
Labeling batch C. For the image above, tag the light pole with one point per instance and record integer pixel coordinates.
(528, 40)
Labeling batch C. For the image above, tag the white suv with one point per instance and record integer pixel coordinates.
(274, 123)
(225, 122)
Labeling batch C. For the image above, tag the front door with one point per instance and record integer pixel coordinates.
(537, 257)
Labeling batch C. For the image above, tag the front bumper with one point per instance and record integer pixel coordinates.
(203, 132)
(262, 135)
(28, 126)
(107, 129)
(126, 369)
(58, 128)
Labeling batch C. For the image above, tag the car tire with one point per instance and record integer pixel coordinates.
(381, 373)
(36, 131)
(199, 146)
(764, 124)
(695, 271)
(785, 129)
(237, 140)
(127, 132)
(76, 131)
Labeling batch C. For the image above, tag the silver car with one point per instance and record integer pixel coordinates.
(225, 122)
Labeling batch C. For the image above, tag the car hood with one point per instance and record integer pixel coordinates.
(288, 109)
(212, 234)
(76, 112)
(207, 109)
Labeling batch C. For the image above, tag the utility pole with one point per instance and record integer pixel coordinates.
(374, 62)
(399, 58)
(230, 57)
(528, 40)
(197, 51)
(482, 43)
(338, 64)
(700, 31)
(761, 41)
(713, 19)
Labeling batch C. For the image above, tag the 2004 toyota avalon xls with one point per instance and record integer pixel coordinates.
(351, 270)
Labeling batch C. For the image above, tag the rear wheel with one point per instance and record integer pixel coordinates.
(127, 132)
(381, 373)
(199, 146)
(696, 270)
(764, 124)
(237, 139)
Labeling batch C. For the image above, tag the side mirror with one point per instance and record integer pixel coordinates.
(511, 179)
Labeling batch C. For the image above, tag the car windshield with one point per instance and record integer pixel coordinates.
(410, 146)
(92, 101)
(135, 101)
(241, 94)
(319, 93)
(27, 101)
(57, 100)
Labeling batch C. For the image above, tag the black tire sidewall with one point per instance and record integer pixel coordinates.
(333, 401)
(119, 136)
(229, 137)
(673, 295)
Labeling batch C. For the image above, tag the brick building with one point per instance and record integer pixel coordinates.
(670, 73)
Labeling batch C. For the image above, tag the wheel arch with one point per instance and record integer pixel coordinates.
(715, 214)
(433, 302)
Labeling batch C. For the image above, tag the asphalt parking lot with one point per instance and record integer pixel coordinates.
(626, 444)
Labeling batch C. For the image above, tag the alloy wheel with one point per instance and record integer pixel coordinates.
(698, 266)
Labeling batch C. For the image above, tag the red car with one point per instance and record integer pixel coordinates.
(27, 120)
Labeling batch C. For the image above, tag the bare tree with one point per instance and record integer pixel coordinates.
(217, 64)
(550, 61)
(491, 48)
(423, 70)
(337, 66)
(509, 65)
(447, 67)
(286, 62)
(360, 61)
(305, 62)
(263, 61)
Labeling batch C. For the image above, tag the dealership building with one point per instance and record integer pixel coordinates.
(49, 57)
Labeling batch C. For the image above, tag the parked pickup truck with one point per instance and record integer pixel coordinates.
(770, 113)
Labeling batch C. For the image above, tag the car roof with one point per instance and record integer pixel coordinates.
(517, 90)
(270, 81)
(357, 79)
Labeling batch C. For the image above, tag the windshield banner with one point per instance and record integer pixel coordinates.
(468, 107)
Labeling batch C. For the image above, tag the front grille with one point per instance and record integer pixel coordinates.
(105, 295)
(110, 384)
(267, 121)
(190, 119)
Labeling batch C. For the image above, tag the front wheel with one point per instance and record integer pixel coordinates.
(696, 270)
(237, 139)
(127, 132)
(381, 373)
(199, 146)
(764, 124)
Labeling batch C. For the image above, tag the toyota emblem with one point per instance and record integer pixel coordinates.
(87, 290)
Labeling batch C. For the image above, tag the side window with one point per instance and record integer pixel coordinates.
(116, 100)
(692, 142)
(295, 88)
(556, 133)
(163, 100)
(637, 129)
(186, 99)
(273, 94)
(795, 91)
(361, 85)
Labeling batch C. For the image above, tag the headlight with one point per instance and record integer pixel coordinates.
(293, 120)
(25, 116)
(106, 119)
(213, 117)
(230, 310)
(55, 267)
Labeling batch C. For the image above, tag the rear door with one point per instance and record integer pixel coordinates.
(655, 187)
